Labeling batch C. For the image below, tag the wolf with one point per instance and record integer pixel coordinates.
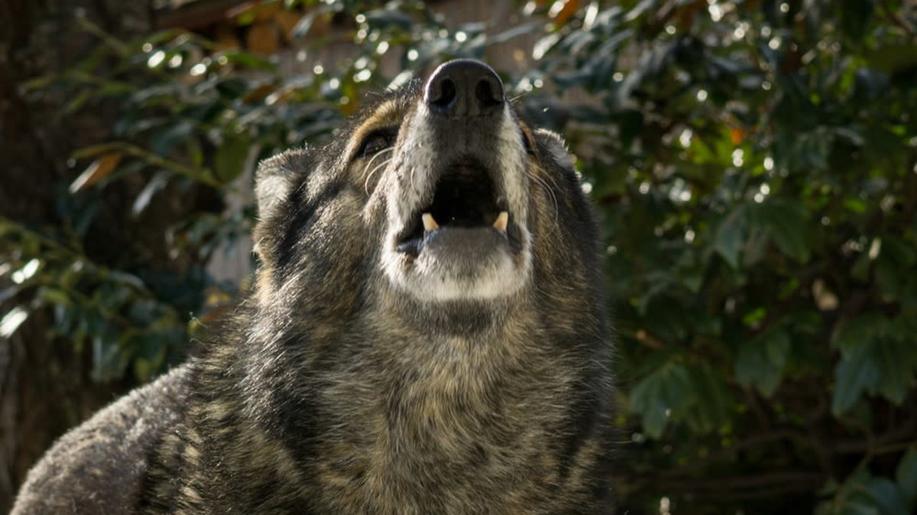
(427, 334)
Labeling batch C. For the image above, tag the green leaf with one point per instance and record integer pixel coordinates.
(163, 141)
(893, 57)
(862, 493)
(855, 17)
(859, 331)
(658, 394)
(630, 123)
(149, 353)
(389, 18)
(906, 475)
(895, 360)
(886, 496)
(52, 296)
(856, 373)
(709, 409)
(231, 156)
(730, 236)
(248, 60)
(877, 354)
(899, 251)
(786, 223)
(151, 158)
(761, 361)
(858, 507)
(646, 400)
(108, 359)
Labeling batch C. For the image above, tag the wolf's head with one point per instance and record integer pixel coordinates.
(429, 311)
(438, 195)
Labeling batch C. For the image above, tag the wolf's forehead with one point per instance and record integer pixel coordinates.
(385, 114)
(391, 109)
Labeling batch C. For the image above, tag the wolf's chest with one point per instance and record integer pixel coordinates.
(438, 446)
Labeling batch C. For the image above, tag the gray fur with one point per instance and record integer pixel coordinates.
(98, 467)
(335, 390)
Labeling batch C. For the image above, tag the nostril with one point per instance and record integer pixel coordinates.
(446, 94)
(487, 95)
(464, 88)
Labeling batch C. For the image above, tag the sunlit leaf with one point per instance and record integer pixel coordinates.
(12, 320)
(563, 10)
(96, 171)
(26, 272)
(155, 185)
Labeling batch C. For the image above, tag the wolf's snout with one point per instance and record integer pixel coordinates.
(464, 88)
(458, 203)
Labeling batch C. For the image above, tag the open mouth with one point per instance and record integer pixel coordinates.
(465, 197)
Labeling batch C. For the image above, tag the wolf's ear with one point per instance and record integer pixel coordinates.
(275, 180)
(556, 148)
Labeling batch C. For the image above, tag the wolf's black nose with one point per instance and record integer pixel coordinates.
(462, 88)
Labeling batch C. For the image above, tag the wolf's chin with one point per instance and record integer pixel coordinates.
(459, 264)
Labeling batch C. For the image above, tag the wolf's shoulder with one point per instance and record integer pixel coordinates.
(98, 467)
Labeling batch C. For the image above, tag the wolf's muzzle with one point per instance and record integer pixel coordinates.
(458, 209)
(464, 88)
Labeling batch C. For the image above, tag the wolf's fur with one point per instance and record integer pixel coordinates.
(344, 387)
(98, 467)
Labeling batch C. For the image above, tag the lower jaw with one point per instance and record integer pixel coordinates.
(478, 264)
(430, 279)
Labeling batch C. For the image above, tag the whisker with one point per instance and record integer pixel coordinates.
(553, 180)
(378, 167)
(376, 156)
(541, 182)
(368, 177)
(517, 97)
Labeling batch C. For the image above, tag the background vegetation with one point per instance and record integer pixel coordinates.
(755, 166)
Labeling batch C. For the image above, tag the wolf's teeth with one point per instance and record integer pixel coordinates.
(429, 223)
(502, 220)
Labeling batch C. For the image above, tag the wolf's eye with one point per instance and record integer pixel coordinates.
(377, 141)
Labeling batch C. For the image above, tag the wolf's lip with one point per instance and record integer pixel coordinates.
(456, 240)
(413, 246)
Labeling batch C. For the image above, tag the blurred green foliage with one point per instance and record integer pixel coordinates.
(755, 166)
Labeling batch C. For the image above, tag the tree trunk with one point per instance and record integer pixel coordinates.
(44, 384)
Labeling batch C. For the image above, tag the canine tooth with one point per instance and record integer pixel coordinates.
(429, 223)
(502, 220)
